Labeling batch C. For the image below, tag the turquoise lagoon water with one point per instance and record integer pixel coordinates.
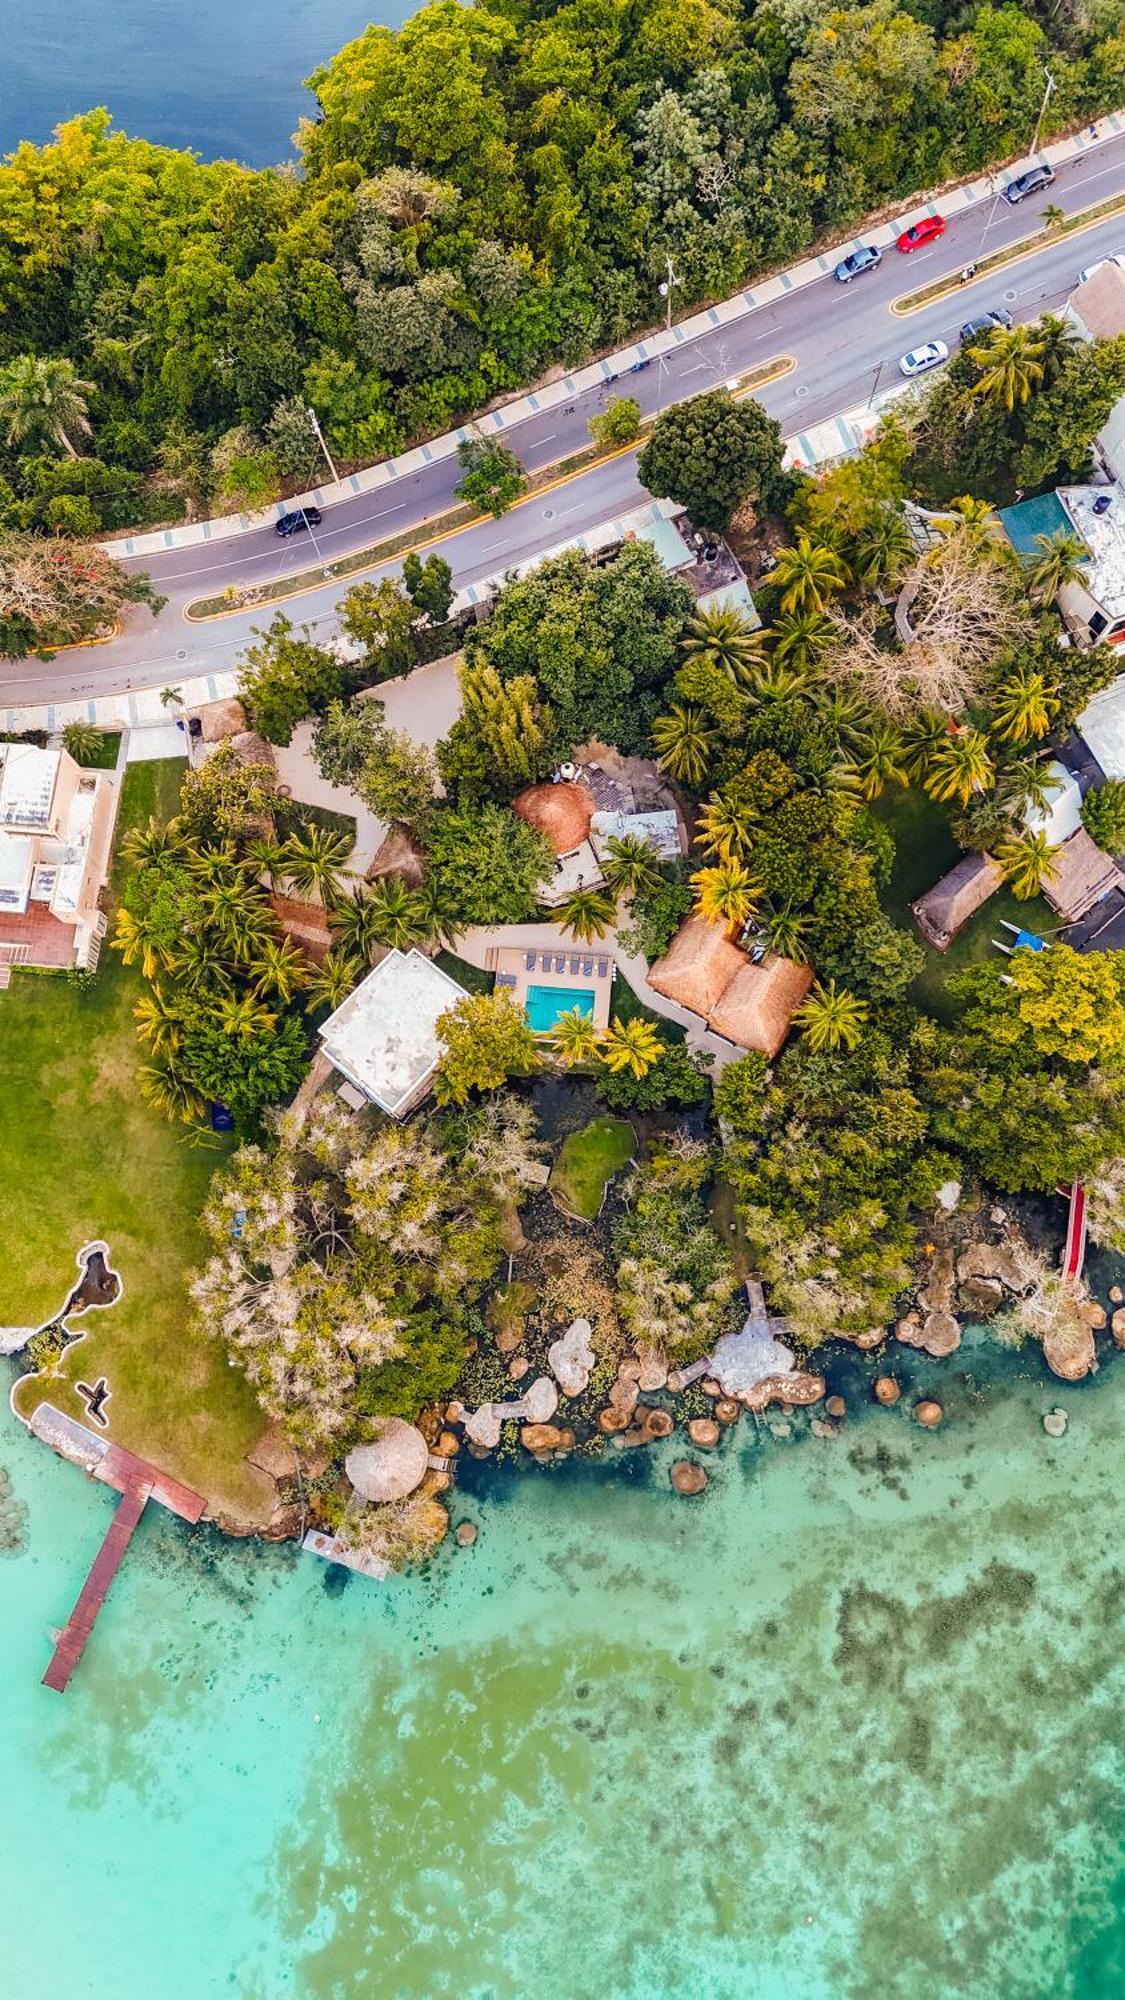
(544, 1004)
(851, 1725)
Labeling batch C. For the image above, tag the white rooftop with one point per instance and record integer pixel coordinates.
(1102, 726)
(1104, 536)
(384, 1036)
(17, 864)
(1062, 814)
(27, 784)
(660, 829)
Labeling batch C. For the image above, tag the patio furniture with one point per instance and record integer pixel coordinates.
(560, 962)
(573, 966)
(529, 961)
(587, 968)
(505, 979)
(603, 967)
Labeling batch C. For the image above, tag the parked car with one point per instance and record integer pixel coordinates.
(920, 358)
(296, 522)
(926, 231)
(983, 325)
(1029, 183)
(1115, 257)
(865, 258)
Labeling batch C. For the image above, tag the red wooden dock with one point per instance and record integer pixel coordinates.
(138, 1483)
(1074, 1251)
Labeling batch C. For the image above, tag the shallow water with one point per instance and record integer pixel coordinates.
(850, 1725)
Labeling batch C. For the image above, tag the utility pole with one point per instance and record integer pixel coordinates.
(1047, 94)
(315, 422)
(667, 287)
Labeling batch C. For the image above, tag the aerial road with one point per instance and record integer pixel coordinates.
(844, 340)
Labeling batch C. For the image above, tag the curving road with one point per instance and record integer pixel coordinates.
(844, 340)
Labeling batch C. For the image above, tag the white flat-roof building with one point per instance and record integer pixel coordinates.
(383, 1038)
(1062, 814)
(56, 828)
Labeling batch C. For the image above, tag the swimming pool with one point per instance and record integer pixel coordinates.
(544, 1004)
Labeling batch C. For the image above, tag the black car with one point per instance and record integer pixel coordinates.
(1029, 183)
(986, 323)
(864, 259)
(296, 522)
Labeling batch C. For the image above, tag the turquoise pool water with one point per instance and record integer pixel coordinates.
(851, 1726)
(544, 1004)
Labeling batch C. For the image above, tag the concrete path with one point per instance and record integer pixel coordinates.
(297, 768)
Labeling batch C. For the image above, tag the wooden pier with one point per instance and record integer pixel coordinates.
(138, 1482)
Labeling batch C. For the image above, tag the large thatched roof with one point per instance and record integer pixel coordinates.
(941, 912)
(757, 1007)
(561, 812)
(392, 1465)
(1080, 876)
(1100, 302)
(698, 966)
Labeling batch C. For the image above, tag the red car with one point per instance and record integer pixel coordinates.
(926, 231)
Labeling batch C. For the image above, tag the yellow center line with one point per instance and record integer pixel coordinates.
(1020, 252)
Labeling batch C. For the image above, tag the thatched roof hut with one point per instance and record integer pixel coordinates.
(392, 1465)
(698, 966)
(1080, 876)
(757, 1008)
(1100, 302)
(942, 911)
(562, 813)
(219, 719)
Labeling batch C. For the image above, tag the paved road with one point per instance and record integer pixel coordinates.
(844, 340)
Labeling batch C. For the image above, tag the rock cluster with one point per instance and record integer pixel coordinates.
(687, 1477)
(571, 1358)
(538, 1406)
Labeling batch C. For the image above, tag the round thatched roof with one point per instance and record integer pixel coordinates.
(392, 1465)
(562, 812)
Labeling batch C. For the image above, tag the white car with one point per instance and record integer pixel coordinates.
(1117, 258)
(920, 358)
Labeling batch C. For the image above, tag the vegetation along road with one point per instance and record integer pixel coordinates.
(846, 343)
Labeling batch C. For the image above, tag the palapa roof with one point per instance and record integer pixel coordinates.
(1079, 877)
(561, 812)
(698, 966)
(941, 912)
(392, 1465)
(218, 719)
(757, 1008)
(1100, 303)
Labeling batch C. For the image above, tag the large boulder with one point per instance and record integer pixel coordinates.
(798, 1388)
(937, 1293)
(993, 1260)
(741, 1360)
(540, 1401)
(980, 1297)
(653, 1373)
(541, 1437)
(1070, 1352)
(571, 1357)
(704, 1431)
(887, 1390)
(687, 1477)
(1117, 1326)
(928, 1413)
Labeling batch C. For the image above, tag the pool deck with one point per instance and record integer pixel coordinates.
(569, 966)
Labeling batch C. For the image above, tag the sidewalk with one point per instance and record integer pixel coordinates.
(953, 201)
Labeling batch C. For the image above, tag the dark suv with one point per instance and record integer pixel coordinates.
(296, 522)
(1029, 183)
(983, 325)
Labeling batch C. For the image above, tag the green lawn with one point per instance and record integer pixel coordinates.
(83, 1157)
(473, 978)
(625, 1005)
(925, 850)
(587, 1162)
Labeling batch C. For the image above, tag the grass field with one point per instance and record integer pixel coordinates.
(925, 850)
(83, 1157)
(587, 1162)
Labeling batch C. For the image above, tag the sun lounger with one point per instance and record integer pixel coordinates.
(529, 961)
(573, 966)
(560, 962)
(587, 968)
(603, 967)
(505, 979)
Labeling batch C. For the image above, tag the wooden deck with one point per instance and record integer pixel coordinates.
(138, 1483)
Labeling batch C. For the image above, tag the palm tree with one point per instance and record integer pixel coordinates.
(633, 1045)
(877, 760)
(963, 765)
(145, 845)
(780, 685)
(159, 1023)
(1052, 217)
(588, 914)
(923, 738)
(137, 937)
(683, 739)
(1024, 706)
(397, 917)
(800, 638)
(168, 1091)
(726, 894)
(241, 921)
(726, 825)
(244, 1016)
(1011, 364)
(575, 1039)
(1061, 559)
(831, 1017)
(43, 402)
(357, 923)
(808, 574)
(331, 983)
(883, 549)
(1028, 860)
(972, 518)
(280, 969)
(1023, 783)
(1059, 339)
(217, 866)
(202, 964)
(437, 920)
(266, 856)
(723, 639)
(313, 861)
(845, 714)
(630, 864)
(81, 740)
(786, 933)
